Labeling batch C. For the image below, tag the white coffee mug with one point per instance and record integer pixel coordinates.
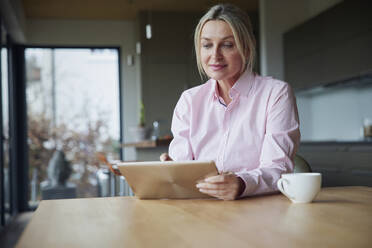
(300, 187)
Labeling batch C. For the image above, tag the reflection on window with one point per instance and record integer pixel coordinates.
(73, 108)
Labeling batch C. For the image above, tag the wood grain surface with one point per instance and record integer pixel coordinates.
(339, 217)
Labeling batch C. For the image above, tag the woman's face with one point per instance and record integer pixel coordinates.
(219, 55)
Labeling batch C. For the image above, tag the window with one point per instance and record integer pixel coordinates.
(73, 107)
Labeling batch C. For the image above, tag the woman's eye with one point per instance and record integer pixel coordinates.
(228, 45)
(207, 45)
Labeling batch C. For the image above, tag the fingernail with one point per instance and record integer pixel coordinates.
(199, 185)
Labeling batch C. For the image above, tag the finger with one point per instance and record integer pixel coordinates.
(220, 190)
(165, 157)
(216, 179)
(225, 191)
(229, 197)
(162, 157)
(211, 186)
(223, 195)
(214, 192)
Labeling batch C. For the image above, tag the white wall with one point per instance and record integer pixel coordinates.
(97, 33)
(277, 17)
(331, 115)
(336, 114)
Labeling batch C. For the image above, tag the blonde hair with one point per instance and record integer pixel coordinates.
(241, 27)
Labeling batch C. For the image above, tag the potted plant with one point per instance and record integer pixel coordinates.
(139, 132)
(142, 115)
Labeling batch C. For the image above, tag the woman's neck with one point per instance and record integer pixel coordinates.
(223, 91)
(224, 87)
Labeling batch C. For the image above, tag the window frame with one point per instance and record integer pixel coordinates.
(15, 131)
(19, 164)
(2, 190)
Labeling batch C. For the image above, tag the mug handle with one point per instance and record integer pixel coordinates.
(281, 188)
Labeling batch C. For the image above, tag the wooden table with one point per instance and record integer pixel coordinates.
(339, 217)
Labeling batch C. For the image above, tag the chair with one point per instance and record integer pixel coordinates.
(300, 165)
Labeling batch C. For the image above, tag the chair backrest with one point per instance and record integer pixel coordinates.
(300, 165)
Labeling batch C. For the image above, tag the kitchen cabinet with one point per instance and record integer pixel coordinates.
(331, 47)
(341, 163)
(150, 150)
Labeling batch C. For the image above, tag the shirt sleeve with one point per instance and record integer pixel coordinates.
(279, 146)
(180, 147)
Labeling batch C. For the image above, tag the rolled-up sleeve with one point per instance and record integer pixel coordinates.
(180, 147)
(279, 146)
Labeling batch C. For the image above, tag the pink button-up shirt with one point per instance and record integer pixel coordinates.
(256, 136)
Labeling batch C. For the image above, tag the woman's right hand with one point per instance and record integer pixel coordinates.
(165, 157)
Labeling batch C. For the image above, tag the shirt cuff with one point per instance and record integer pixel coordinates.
(250, 184)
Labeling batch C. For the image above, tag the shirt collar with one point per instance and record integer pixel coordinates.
(241, 87)
(214, 89)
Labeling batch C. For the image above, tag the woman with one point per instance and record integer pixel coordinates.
(246, 123)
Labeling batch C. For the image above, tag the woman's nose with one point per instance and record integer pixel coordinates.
(216, 53)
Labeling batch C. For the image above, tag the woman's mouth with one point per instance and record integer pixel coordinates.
(217, 67)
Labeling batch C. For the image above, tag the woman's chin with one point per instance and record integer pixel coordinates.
(224, 75)
(217, 75)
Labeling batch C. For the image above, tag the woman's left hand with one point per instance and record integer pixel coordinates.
(223, 186)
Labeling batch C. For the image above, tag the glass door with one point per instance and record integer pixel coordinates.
(73, 115)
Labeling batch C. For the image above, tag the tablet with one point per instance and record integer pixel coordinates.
(166, 180)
